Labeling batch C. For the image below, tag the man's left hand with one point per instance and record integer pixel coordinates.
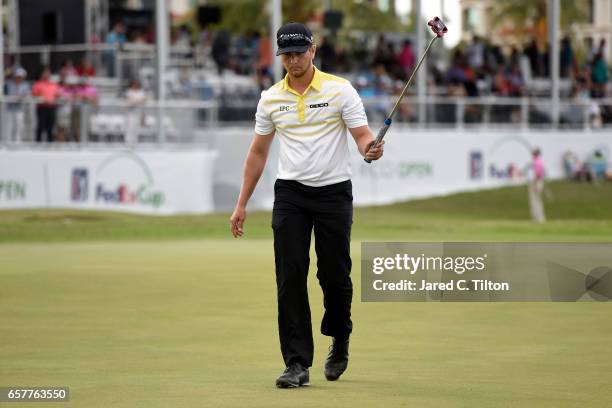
(375, 153)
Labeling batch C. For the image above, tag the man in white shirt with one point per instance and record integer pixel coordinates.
(310, 112)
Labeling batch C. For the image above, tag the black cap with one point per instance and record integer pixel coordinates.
(293, 37)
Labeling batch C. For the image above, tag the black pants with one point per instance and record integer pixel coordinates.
(45, 116)
(297, 209)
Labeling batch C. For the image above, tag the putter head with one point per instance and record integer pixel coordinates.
(437, 26)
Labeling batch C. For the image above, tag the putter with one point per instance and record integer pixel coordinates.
(437, 26)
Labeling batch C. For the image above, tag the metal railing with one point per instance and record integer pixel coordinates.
(525, 112)
(109, 121)
(188, 121)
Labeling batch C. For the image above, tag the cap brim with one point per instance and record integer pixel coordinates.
(293, 48)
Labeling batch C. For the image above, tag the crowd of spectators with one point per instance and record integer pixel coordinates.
(481, 69)
(377, 67)
(59, 104)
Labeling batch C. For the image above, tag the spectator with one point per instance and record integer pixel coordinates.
(264, 62)
(515, 57)
(536, 59)
(384, 54)
(597, 166)
(536, 188)
(599, 72)
(461, 72)
(343, 60)
(475, 54)
(501, 84)
(221, 50)
(86, 69)
(494, 58)
(456, 73)
(574, 169)
(575, 113)
(516, 82)
(136, 98)
(87, 92)
(327, 53)
(68, 69)
(47, 92)
(383, 83)
(406, 59)
(364, 88)
(203, 47)
(183, 37)
(447, 112)
(17, 89)
(567, 58)
(86, 96)
(115, 38)
(246, 53)
(65, 112)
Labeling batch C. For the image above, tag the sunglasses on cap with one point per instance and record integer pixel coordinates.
(288, 40)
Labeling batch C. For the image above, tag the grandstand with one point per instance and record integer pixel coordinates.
(109, 86)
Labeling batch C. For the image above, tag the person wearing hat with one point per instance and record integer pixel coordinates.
(309, 111)
(17, 89)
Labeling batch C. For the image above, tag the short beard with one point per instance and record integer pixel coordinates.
(303, 73)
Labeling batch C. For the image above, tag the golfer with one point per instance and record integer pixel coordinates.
(309, 111)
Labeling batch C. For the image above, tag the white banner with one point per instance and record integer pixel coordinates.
(420, 163)
(416, 164)
(122, 180)
(425, 163)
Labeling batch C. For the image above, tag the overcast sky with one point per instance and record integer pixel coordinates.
(431, 8)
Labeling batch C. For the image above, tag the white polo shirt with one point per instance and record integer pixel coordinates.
(312, 127)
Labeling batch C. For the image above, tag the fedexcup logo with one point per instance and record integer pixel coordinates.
(515, 169)
(123, 179)
(136, 185)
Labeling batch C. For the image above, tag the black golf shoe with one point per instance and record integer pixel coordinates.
(294, 376)
(337, 360)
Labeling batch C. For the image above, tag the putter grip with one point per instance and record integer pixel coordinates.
(379, 138)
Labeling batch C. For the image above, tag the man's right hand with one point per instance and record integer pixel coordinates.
(237, 221)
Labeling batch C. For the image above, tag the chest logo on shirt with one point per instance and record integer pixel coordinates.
(284, 108)
(318, 105)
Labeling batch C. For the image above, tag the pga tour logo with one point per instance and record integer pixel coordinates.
(79, 185)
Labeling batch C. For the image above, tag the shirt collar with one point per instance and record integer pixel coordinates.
(315, 83)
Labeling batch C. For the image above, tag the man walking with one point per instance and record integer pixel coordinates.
(309, 111)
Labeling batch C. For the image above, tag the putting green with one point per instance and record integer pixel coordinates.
(133, 311)
(193, 323)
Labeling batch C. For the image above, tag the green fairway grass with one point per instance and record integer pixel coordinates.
(577, 212)
(134, 311)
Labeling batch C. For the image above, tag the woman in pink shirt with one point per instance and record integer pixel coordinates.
(406, 59)
(86, 96)
(536, 187)
(47, 92)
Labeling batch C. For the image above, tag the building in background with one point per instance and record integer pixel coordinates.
(477, 18)
(598, 27)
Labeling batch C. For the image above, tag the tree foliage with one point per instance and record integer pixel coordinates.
(239, 16)
(528, 13)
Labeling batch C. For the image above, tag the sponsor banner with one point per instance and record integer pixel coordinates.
(420, 163)
(485, 272)
(124, 180)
